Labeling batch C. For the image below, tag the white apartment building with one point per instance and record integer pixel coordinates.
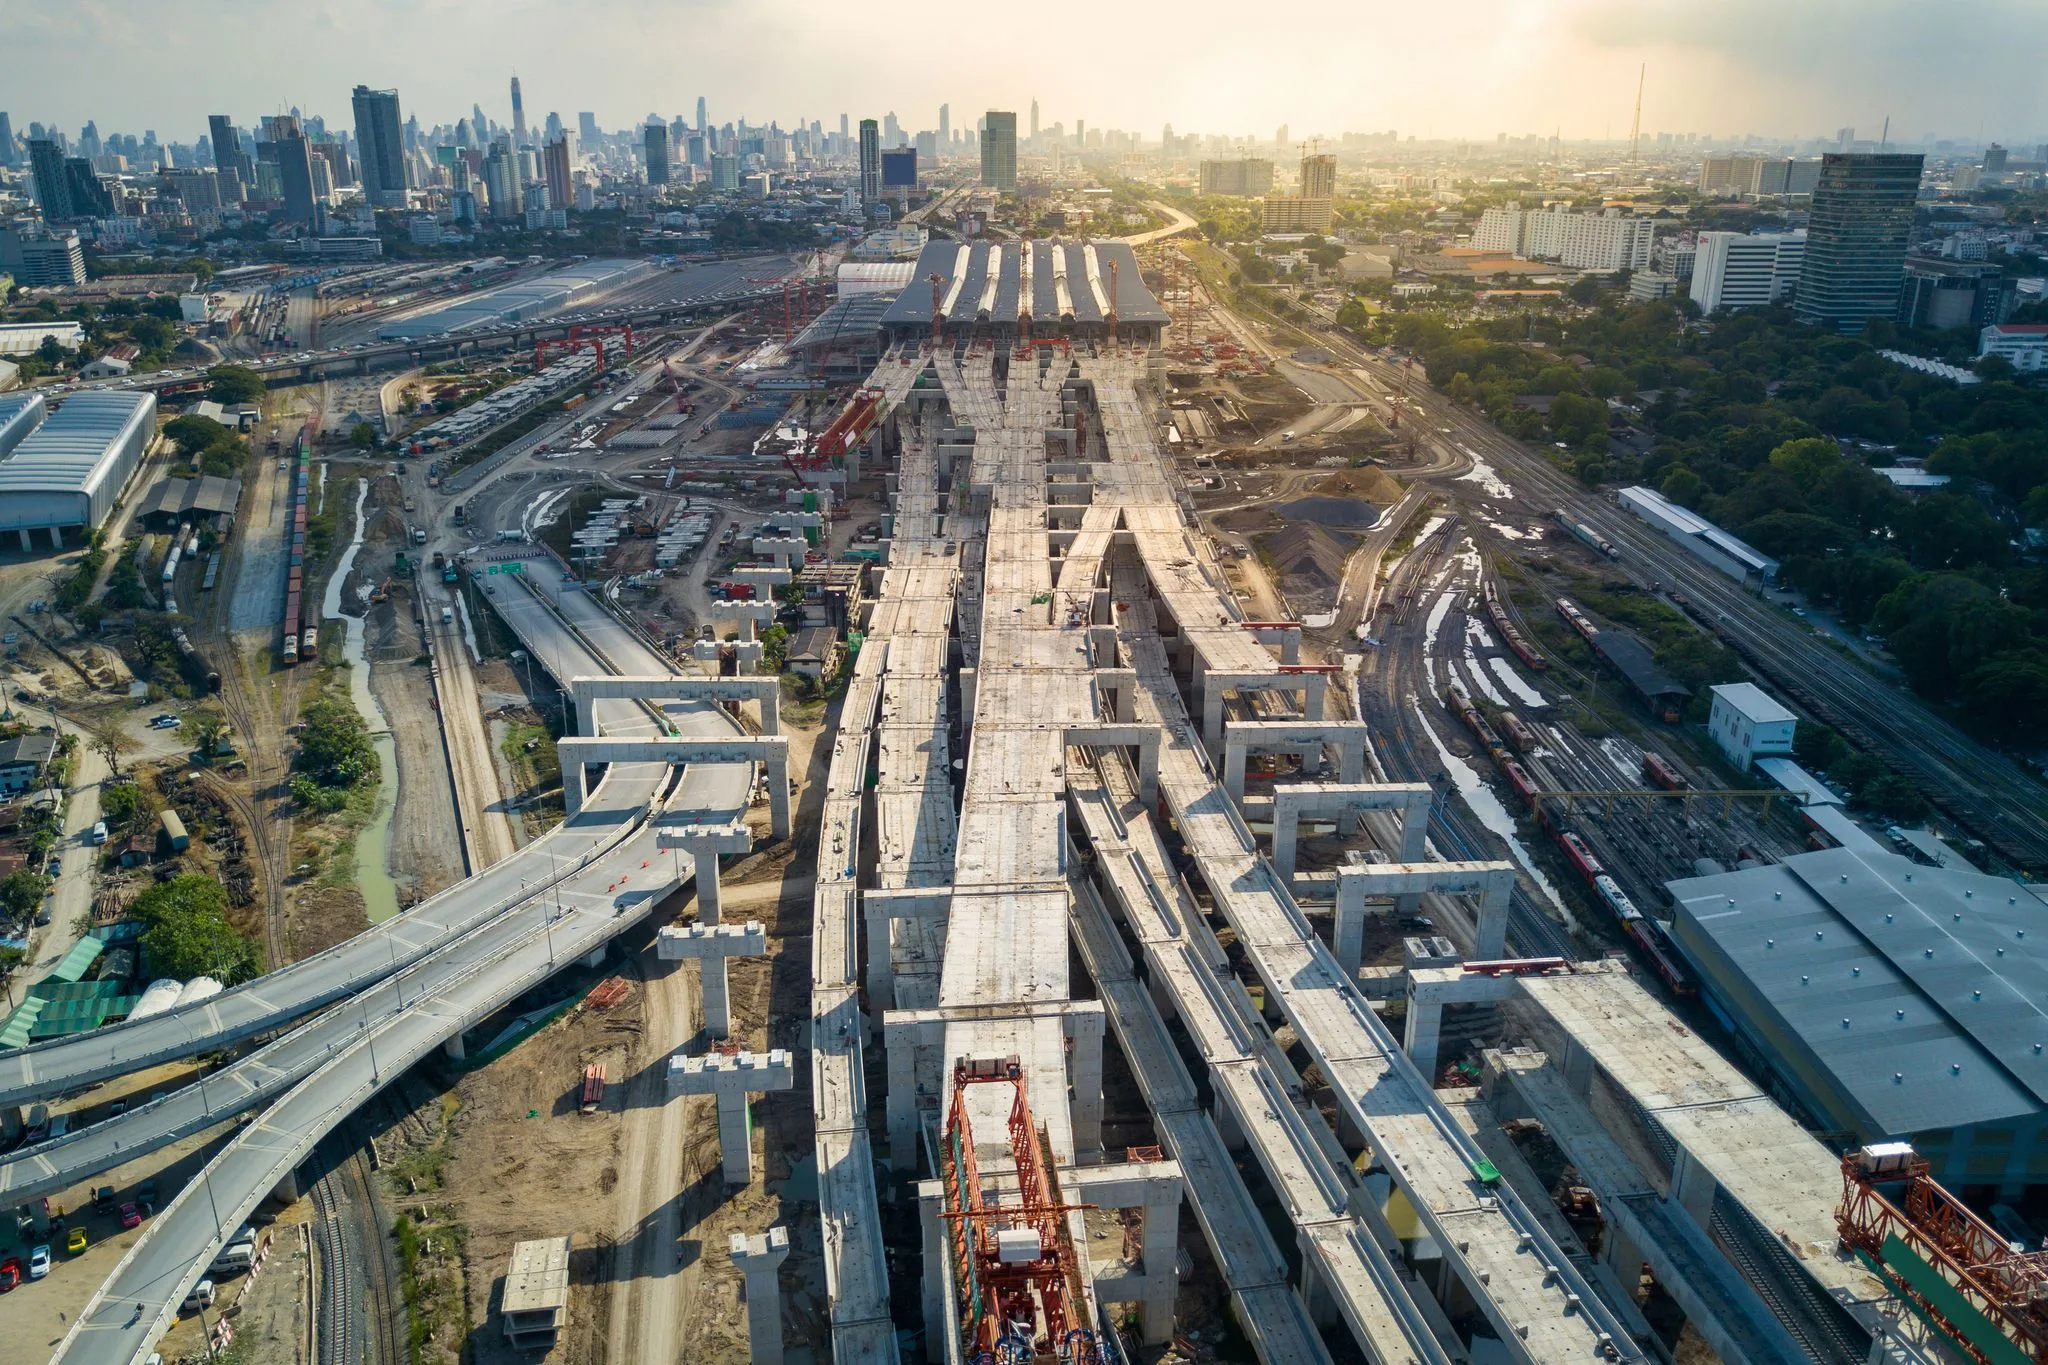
(2025, 344)
(1746, 270)
(1608, 240)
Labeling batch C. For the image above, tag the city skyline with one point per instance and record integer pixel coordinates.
(1568, 67)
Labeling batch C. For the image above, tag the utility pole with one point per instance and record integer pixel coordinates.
(1635, 132)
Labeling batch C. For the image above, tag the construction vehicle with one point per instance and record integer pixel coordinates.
(1987, 1295)
(593, 1088)
(1015, 1269)
(382, 592)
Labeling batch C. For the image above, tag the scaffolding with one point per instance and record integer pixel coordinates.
(1014, 1266)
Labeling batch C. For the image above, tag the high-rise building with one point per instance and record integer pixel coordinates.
(1318, 177)
(843, 134)
(380, 146)
(725, 173)
(1994, 162)
(587, 130)
(1280, 136)
(295, 175)
(701, 114)
(229, 156)
(198, 190)
(945, 125)
(518, 116)
(1034, 119)
(1745, 270)
(42, 261)
(999, 148)
(554, 159)
(654, 145)
(46, 170)
(870, 164)
(892, 131)
(501, 178)
(8, 155)
(1861, 223)
(1245, 175)
(1946, 295)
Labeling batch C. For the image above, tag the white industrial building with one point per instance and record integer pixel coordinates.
(1746, 270)
(1748, 724)
(66, 468)
(1736, 558)
(2025, 344)
(1608, 240)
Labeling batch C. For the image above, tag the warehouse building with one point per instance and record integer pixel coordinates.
(1740, 561)
(1890, 1000)
(994, 290)
(65, 468)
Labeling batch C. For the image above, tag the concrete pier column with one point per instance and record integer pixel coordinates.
(1162, 1262)
(1084, 1073)
(1347, 934)
(711, 945)
(930, 1201)
(454, 1049)
(1623, 1257)
(1492, 931)
(1422, 1035)
(760, 1258)
(732, 1078)
(1314, 687)
(901, 1051)
(778, 794)
(1233, 770)
(708, 905)
(26, 543)
(1693, 1186)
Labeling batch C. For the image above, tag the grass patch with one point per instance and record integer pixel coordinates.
(530, 749)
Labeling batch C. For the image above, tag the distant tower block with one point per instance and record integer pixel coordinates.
(760, 1258)
(711, 945)
(732, 1077)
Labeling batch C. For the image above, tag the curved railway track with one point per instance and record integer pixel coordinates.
(357, 1315)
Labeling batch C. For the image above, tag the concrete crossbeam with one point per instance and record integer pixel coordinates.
(766, 693)
(1214, 683)
(881, 907)
(1432, 988)
(1144, 738)
(711, 945)
(1295, 801)
(1082, 1022)
(731, 1078)
(577, 752)
(1492, 882)
(704, 843)
(759, 1258)
(1309, 738)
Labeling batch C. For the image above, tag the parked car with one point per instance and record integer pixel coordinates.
(166, 721)
(131, 1215)
(39, 1261)
(10, 1273)
(75, 1242)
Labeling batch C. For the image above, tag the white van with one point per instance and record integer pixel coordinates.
(236, 1255)
(200, 1297)
(99, 831)
(447, 616)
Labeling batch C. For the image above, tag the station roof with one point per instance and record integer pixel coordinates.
(1069, 282)
(66, 451)
(206, 495)
(1632, 659)
(1907, 998)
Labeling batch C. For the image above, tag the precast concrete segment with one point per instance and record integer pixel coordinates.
(913, 613)
(1495, 1245)
(1498, 1248)
(1695, 1098)
(1251, 1078)
(1717, 1301)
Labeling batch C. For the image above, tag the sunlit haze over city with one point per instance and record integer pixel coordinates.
(945, 684)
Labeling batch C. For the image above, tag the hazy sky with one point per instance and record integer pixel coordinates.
(1472, 68)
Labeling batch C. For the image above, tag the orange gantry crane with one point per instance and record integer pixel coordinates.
(580, 337)
(1955, 1271)
(1014, 1265)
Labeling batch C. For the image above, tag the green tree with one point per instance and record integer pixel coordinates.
(152, 334)
(203, 729)
(107, 742)
(335, 749)
(1460, 390)
(21, 894)
(1683, 486)
(186, 932)
(362, 436)
(234, 384)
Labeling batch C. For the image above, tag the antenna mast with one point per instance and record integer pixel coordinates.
(1635, 132)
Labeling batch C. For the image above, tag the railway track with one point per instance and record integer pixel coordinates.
(357, 1318)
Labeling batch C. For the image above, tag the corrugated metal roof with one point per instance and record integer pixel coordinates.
(1810, 790)
(64, 453)
(78, 961)
(20, 413)
(1082, 267)
(1914, 994)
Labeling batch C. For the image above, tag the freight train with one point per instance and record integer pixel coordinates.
(1524, 651)
(1577, 619)
(194, 664)
(1644, 931)
(1586, 535)
(1662, 774)
(297, 489)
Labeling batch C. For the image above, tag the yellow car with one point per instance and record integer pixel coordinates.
(75, 1241)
